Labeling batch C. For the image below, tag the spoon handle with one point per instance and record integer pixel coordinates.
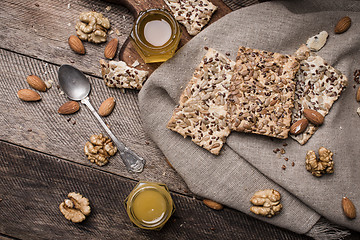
(132, 161)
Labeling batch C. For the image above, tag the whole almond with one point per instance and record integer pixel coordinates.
(212, 204)
(69, 107)
(299, 126)
(28, 95)
(358, 95)
(76, 44)
(107, 107)
(36, 83)
(110, 49)
(343, 25)
(314, 117)
(349, 208)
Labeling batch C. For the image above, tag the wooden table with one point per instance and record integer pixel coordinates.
(41, 152)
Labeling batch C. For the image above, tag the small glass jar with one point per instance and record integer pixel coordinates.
(158, 22)
(149, 205)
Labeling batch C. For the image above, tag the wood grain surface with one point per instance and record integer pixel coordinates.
(33, 186)
(41, 152)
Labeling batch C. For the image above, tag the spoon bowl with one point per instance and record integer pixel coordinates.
(74, 83)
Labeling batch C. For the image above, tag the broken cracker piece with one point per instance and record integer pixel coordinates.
(262, 92)
(119, 75)
(193, 14)
(315, 43)
(318, 86)
(202, 111)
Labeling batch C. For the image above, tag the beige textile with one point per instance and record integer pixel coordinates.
(247, 162)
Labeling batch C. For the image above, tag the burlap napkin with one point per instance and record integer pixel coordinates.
(247, 162)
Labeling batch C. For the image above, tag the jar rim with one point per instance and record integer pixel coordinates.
(142, 15)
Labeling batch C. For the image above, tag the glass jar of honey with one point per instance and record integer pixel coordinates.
(149, 205)
(155, 35)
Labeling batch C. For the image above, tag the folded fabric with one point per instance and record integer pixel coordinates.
(250, 162)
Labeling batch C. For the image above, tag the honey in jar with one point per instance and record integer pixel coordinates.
(149, 205)
(155, 35)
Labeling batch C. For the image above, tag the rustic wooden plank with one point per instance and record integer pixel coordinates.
(38, 126)
(41, 29)
(33, 184)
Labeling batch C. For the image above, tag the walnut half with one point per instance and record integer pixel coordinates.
(99, 149)
(319, 167)
(92, 27)
(76, 208)
(267, 203)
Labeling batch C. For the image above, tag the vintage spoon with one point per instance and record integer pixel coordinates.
(77, 87)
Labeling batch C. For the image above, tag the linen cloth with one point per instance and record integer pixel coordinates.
(247, 162)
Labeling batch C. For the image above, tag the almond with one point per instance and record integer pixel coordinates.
(36, 83)
(76, 44)
(358, 95)
(314, 117)
(28, 95)
(69, 107)
(349, 208)
(299, 126)
(343, 25)
(212, 204)
(107, 107)
(110, 49)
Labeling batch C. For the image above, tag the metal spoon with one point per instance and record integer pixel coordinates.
(77, 87)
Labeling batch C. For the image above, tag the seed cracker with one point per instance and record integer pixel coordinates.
(201, 113)
(262, 92)
(193, 14)
(318, 86)
(117, 74)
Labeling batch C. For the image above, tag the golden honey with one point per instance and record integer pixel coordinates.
(149, 205)
(155, 35)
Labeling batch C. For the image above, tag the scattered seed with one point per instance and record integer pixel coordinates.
(69, 119)
(292, 164)
(282, 151)
(206, 48)
(286, 159)
(283, 167)
(29, 130)
(285, 144)
(74, 122)
(36, 4)
(147, 142)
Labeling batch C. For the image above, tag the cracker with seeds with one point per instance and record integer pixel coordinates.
(202, 111)
(193, 14)
(318, 86)
(262, 92)
(119, 75)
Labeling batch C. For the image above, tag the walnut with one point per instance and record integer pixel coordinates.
(92, 27)
(319, 167)
(76, 208)
(99, 149)
(267, 203)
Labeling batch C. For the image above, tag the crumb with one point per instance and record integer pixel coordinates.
(58, 86)
(283, 167)
(72, 61)
(285, 144)
(69, 6)
(74, 122)
(292, 164)
(108, 8)
(69, 119)
(227, 54)
(354, 86)
(147, 142)
(186, 191)
(357, 76)
(286, 159)
(212, 229)
(206, 48)
(36, 4)
(282, 151)
(29, 130)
